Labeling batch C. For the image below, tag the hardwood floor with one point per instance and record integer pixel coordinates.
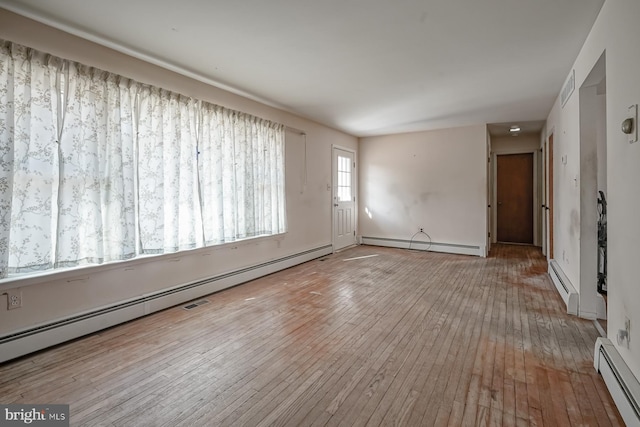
(391, 337)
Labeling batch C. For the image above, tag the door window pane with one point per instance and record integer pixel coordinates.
(344, 179)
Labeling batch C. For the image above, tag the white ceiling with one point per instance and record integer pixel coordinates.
(367, 67)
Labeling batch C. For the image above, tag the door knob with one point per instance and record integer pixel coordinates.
(335, 204)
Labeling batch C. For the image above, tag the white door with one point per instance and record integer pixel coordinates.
(344, 199)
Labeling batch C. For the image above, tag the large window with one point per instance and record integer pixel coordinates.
(95, 167)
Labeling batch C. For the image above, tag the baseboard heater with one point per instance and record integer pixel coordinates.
(622, 384)
(451, 248)
(36, 338)
(564, 287)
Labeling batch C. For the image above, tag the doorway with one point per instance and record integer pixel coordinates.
(344, 199)
(514, 179)
(593, 192)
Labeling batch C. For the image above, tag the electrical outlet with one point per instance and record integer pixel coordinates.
(14, 298)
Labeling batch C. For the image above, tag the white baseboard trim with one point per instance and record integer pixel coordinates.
(622, 384)
(564, 287)
(450, 248)
(55, 332)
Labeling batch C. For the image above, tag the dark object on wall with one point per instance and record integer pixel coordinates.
(602, 244)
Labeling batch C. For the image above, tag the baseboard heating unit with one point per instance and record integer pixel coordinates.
(450, 248)
(622, 384)
(564, 287)
(56, 332)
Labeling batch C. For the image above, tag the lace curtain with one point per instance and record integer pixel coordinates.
(95, 167)
(96, 211)
(241, 165)
(169, 206)
(28, 158)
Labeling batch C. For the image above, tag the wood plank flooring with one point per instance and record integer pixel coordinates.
(401, 337)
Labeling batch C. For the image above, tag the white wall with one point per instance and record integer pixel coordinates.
(601, 136)
(308, 207)
(617, 31)
(515, 144)
(436, 180)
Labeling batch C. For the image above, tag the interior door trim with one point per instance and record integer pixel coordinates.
(355, 192)
(536, 196)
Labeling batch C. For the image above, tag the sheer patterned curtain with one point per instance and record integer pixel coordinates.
(95, 167)
(242, 170)
(96, 218)
(28, 158)
(169, 203)
(217, 162)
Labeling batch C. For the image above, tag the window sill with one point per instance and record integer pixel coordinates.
(73, 274)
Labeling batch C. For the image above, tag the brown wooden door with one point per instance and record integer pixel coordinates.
(515, 198)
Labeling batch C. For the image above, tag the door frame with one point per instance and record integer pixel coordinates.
(333, 187)
(536, 196)
(549, 194)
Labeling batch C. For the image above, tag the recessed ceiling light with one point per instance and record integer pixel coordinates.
(514, 129)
